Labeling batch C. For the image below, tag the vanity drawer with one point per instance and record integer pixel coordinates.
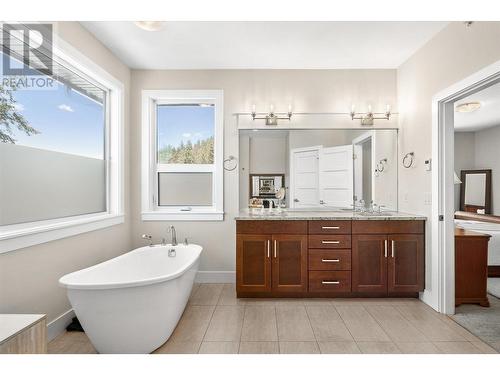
(329, 260)
(328, 241)
(388, 226)
(329, 227)
(271, 227)
(329, 281)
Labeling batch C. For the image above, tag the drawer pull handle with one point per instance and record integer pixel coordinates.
(330, 282)
(328, 242)
(330, 227)
(330, 260)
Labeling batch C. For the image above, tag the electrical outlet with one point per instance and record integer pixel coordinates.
(427, 199)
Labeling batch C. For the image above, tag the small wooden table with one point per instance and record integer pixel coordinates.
(23, 334)
(471, 267)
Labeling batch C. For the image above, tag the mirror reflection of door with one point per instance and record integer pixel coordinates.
(323, 168)
(304, 177)
(336, 181)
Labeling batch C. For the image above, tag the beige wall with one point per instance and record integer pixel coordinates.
(465, 158)
(306, 90)
(28, 277)
(453, 54)
(486, 157)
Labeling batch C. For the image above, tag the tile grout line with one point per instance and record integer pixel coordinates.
(208, 325)
(347, 327)
(312, 329)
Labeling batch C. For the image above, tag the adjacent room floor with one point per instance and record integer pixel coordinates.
(215, 321)
(483, 322)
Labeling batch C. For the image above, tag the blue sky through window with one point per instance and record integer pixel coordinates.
(68, 121)
(180, 123)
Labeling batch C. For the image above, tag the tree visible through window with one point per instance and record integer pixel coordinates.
(186, 133)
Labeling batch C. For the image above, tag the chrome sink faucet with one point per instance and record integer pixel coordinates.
(174, 235)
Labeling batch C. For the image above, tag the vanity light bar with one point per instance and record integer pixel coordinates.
(368, 117)
(271, 117)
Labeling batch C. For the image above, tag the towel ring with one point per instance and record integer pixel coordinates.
(381, 165)
(228, 160)
(408, 159)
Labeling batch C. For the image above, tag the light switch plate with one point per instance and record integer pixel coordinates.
(428, 164)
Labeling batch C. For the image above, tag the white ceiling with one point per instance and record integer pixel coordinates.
(485, 117)
(265, 45)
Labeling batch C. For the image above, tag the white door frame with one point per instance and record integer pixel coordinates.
(441, 293)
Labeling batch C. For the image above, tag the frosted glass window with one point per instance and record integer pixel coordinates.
(52, 149)
(185, 189)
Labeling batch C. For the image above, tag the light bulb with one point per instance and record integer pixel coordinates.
(353, 108)
(271, 108)
(253, 108)
(289, 108)
(369, 108)
(388, 108)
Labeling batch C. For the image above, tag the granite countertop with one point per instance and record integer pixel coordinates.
(266, 214)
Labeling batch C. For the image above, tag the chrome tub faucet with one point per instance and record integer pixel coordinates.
(174, 235)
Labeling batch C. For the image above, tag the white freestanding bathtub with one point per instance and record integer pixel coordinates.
(132, 303)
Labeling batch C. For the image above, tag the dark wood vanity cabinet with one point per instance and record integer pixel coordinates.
(369, 263)
(289, 263)
(273, 262)
(253, 264)
(390, 261)
(329, 258)
(405, 268)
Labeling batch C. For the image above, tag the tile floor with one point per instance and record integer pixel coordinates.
(215, 321)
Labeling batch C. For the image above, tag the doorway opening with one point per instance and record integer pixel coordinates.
(447, 181)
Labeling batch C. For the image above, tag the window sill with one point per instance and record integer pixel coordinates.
(182, 216)
(13, 237)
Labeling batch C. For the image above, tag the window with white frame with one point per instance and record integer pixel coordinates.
(182, 155)
(61, 158)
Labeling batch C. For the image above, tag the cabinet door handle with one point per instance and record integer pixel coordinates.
(330, 282)
(330, 227)
(385, 248)
(392, 248)
(330, 260)
(275, 246)
(328, 242)
(268, 248)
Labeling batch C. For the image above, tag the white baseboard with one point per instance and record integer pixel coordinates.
(58, 325)
(223, 277)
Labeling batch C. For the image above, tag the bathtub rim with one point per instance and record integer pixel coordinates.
(135, 283)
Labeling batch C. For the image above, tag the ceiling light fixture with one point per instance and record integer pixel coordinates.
(467, 107)
(150, 25)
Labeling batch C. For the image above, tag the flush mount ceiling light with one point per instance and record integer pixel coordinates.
(150, 25)
(467, 107)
